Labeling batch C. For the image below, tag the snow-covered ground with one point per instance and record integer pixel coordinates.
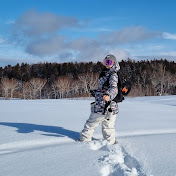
(37, 138)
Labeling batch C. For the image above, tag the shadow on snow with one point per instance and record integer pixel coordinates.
(52, 130)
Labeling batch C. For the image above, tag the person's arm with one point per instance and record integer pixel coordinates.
(101, 82)
(112, 92)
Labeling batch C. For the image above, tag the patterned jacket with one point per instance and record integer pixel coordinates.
(110, 89)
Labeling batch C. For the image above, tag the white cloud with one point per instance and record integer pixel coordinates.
(43, 47)
(167, 35)
(2, 40)
(129, 34)
(41, 38)
(33, 23)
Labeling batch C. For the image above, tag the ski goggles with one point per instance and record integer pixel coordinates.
(108, 62)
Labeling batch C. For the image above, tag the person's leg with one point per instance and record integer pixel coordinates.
(108, 129)
(89, 127)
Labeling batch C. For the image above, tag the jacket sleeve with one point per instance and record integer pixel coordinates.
(113, 89)
(101, 82)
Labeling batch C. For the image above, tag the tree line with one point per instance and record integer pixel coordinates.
(66, 80)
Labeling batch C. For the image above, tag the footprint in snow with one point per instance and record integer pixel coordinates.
(117, 161)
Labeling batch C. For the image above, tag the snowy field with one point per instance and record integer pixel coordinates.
(37, 138)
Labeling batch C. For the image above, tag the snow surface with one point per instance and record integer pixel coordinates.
(38, 139)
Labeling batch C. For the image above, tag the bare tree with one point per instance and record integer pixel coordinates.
(9, 86)
(36, 85)
(93, 84)
(67, 84)
(170, 82)
(41, 83)
(89, 81)
(84, 79)
(159, 78)
(26, 90)
(76, 87)
(1, 88)
(5, 86)
(63, 85)
(162, 71)
(136, 91)
(54, 90)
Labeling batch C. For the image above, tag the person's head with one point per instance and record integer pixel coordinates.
(109, 61)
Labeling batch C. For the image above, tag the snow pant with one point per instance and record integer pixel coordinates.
(94, 120)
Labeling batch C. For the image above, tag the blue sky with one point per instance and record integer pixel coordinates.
(86, 30)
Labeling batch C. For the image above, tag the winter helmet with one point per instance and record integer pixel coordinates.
(111, 57)
(109, 60)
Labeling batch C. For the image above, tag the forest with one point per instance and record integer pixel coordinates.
(69, 80)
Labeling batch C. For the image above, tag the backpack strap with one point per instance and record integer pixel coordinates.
(103, 73)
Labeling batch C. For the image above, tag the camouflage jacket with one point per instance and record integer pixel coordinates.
(110, 89)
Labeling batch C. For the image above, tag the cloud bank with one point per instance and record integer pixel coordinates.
(40, 33)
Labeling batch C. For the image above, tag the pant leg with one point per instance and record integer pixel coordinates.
(108, 129)
(89, 127)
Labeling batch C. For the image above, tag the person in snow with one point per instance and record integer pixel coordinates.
(104, 109)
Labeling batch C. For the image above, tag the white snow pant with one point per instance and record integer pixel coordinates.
(94, 120)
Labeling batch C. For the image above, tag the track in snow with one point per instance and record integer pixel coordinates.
(117, 161)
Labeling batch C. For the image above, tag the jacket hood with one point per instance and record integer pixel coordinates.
(115, 67)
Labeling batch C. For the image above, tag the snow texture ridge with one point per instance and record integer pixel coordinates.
(21, 146)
